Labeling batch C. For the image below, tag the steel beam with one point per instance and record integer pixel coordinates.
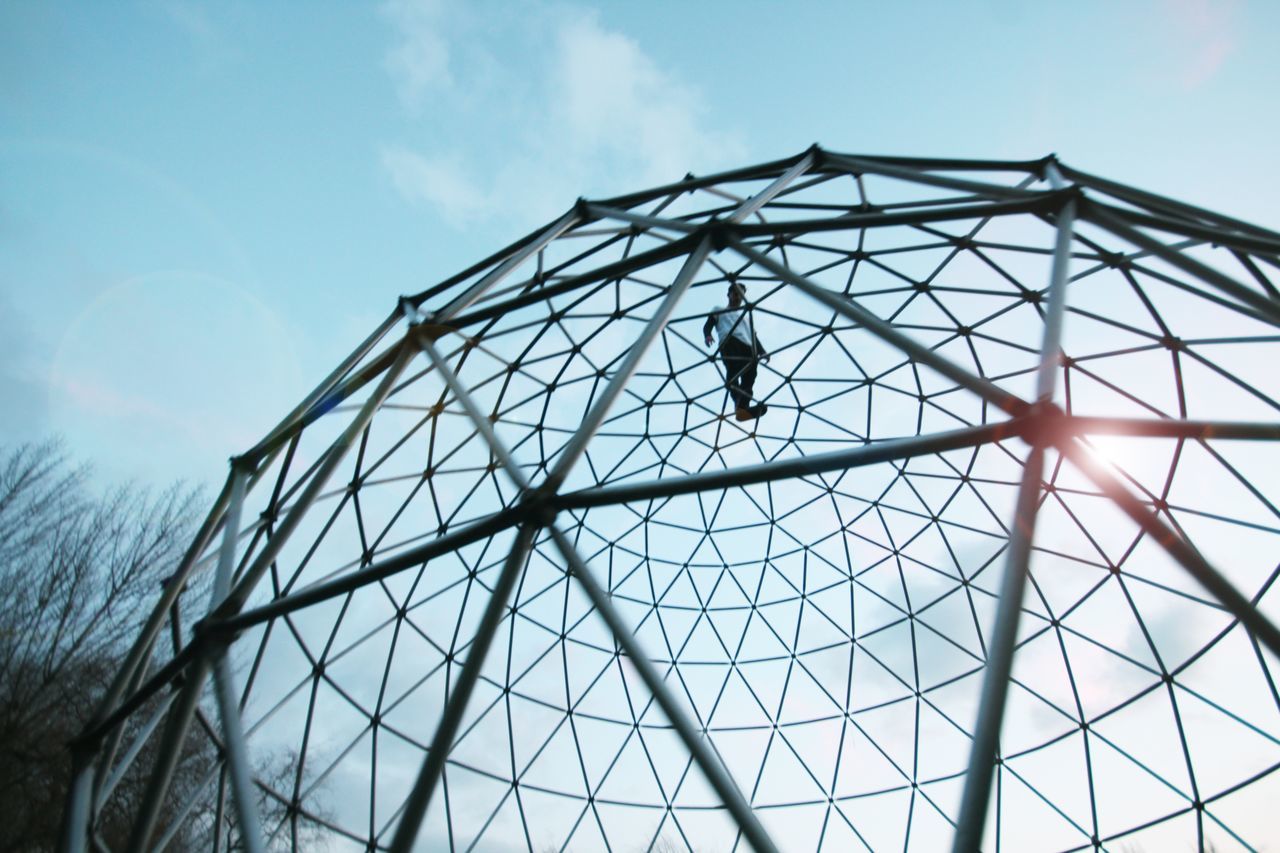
(1176, 546)
(415, 808)
(477, 290)
(1269, 308)
(1000, 650)
(694, 740)
(760, 199)
(333, 457)
(600, 409)
(781, 469)
(237, 753)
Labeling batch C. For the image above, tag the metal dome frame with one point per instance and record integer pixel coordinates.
(1150, 228)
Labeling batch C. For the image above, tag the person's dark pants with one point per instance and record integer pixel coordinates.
(739, 370)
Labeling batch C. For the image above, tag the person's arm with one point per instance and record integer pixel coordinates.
(761, 352)
(708, 326)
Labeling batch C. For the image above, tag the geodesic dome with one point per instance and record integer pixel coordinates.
(995, 568)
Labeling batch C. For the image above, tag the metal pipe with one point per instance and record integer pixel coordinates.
(1172, 428)
(780, 469)
(578, 443)
(471, 294)
(1051, 346)
(847, 307)
(877, 219)
(1177, 547)
(1268, 307)
(167, 754)
(995, 683)
(482, 529)
(706, 759)
(415, 808)
(237, 756)
(1000, 650)
(760, 199)
(866, 164)
(139, 741)
(482, 423)
(641, 220)
(336, 453)
(74, 837)
(323, 389)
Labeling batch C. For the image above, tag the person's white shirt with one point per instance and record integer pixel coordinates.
(734, 321)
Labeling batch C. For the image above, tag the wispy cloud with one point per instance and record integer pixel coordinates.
(585, 111)
(1206, 30)
(419, 60)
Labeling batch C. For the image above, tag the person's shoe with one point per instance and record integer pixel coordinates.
(745, 413)
(759, 409)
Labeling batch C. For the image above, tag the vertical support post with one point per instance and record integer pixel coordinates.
(74, 837)
(578, 443)
(237, 756)
(995, 683)
(415, 808)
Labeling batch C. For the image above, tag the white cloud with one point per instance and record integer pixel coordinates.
(419, 61)
(538, 110)
(438, 181)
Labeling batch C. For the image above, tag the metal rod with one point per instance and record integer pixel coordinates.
(1265, 305)
(140, 740)
(471, 294)
(847, 307)
(323, 389)
(760, 199)
(1051, 346)
(781, 469)
(694, 741)
(640, 219)
(142, 647)
(995, 683)
(578, 443)
(879, 219)
(74, 837)
(237, 756)
(1000, 650)
(1172, 428)
(474, 532)
(336, 453)
(1152, 201)
(864, 164)
(482, 423)
(415, 808)
(167, 754)
(1177, 547)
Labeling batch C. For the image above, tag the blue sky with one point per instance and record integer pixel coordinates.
(204, 206)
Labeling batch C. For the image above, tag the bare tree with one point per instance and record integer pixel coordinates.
(77, 570)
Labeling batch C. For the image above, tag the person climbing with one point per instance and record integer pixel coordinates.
(740, 350)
